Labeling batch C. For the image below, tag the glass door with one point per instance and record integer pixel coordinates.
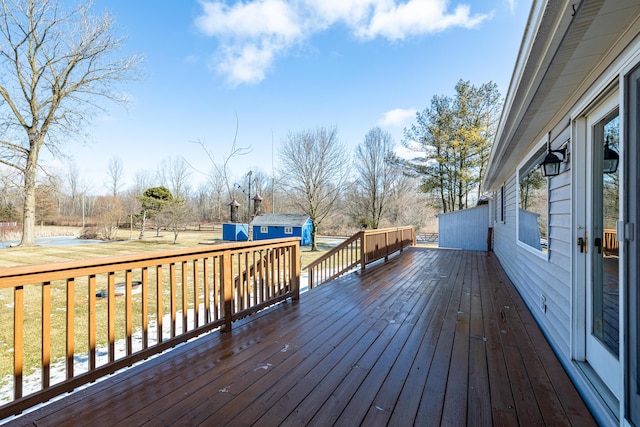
(603, 314)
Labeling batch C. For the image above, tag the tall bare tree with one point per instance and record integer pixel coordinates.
(218, 183)
(313, 165)
(54, 64)
(174, 173)
(115, 173)
(376, 175)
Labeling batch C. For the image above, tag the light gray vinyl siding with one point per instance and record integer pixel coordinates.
(464, 229)
(549, 275)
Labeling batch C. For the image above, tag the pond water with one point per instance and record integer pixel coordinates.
(54, 241)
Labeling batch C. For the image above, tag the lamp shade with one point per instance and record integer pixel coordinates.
(611, 159)
(550, 165)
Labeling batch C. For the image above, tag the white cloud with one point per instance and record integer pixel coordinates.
(512, 5)
(416, 17)
(247, 63)
(398, 117)
(256, 19)
(252, 35)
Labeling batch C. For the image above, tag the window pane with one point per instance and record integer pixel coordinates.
(532, 212)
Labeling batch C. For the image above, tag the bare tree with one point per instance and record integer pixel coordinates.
(175, 214)
(376, 175)
(313, 165)
(56, 64)
(174, 173)
(218, 183)
(109, 213)
(73, 181)
(220, 171)
(115, 173)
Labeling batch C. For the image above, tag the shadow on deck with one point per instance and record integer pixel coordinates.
(431, 337)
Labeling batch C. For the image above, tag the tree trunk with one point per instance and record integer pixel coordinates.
(314, 228)
(29, 211)
(144, 220)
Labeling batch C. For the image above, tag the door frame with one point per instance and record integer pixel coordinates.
(631, 220)
(582, 134)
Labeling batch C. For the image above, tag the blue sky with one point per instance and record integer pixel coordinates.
(282, 66)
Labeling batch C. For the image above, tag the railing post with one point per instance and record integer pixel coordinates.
(227, 290)
(363, 244)
(386, 246)
(296, 272)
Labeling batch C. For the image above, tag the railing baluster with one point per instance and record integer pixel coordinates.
(92, 322)
(172, 290)
(295, 263)
(267, 273)
(235, 264)
(46, 334)
(129, 310)
(206, 289)
(145, 307)
(185, 297)
(217, 285)
(245, 282)
(18, 340)
(196, 302)
(111, 314)
(159, 306)
(70, 329)
(254, 282)
(227, 289)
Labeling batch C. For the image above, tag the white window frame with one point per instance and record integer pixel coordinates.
(541, 254)
(288, 230)
(264, 229)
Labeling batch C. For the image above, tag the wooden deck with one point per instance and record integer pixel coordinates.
(432, 337)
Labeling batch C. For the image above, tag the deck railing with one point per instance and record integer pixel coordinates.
(360, 249)
(75, 322)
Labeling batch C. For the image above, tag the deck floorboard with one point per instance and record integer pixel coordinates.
(431, 337)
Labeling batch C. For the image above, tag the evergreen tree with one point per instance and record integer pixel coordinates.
(454, 138)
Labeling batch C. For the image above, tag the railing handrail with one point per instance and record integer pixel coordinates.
(332, 264)
(217, 284)
(334, 250)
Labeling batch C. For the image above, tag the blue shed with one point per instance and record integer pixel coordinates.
(275, 226)
(235, 232)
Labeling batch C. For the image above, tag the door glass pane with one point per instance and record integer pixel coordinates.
(605, 242)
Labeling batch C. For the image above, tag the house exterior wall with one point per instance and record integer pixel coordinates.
(542, 278)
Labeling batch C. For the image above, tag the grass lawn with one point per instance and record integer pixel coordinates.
(128, 244)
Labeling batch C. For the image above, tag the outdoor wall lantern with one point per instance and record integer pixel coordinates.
(611, 159)
(550, 166)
